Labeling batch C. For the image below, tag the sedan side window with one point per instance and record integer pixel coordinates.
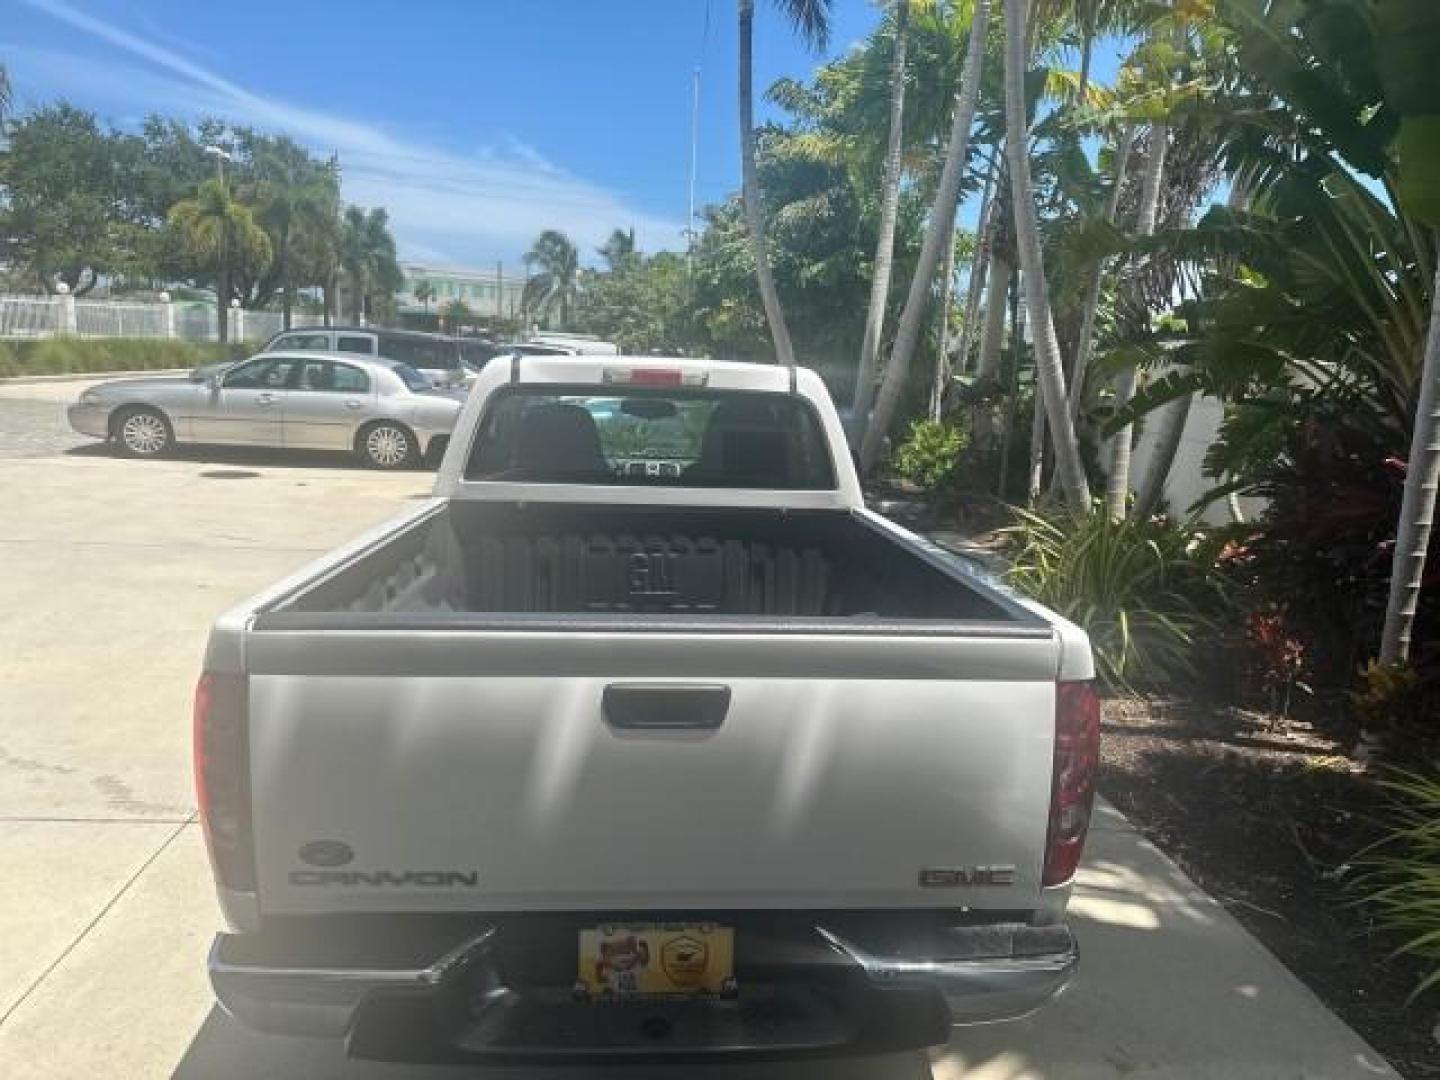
(314, 375)
(260, 375)
(309, 342)
(349, 380)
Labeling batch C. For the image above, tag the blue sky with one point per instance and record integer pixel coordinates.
(476, 123)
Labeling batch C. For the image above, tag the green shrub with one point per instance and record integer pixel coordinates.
(1147, 592)
(930, 455)
(63, 356)
(1399, 878)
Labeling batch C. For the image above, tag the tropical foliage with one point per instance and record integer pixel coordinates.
(1400, 876)
(552, 290)
(81, 203)
(1145, 591)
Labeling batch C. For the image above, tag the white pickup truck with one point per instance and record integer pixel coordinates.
(642, 737)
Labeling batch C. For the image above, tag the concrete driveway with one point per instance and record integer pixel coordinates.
(110, 572)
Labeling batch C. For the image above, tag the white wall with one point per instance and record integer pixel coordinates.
(1187, 482)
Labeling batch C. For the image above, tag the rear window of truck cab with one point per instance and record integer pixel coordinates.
(677, 437)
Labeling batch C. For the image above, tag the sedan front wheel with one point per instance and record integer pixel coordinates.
(143, 433)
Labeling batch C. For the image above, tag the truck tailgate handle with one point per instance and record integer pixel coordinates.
(649, 706)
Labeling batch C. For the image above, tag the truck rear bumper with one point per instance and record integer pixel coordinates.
(841, 988)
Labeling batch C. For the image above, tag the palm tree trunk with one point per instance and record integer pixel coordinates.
(332, 283)
(1036, 472)
(1017, 333)
(889, 210)
(1050, 376)
(939, 233)
(992, 334)
(750, 188)
(1169, 430)
(222, 287)
(942, 359)
(979, 265)
(1085, 346)
(286, 285)
(1417, 508)
(1118, 488)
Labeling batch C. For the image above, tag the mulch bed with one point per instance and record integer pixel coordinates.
(1264, 814)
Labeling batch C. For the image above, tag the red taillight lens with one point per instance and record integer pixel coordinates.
(222, 776)
(1072, 787)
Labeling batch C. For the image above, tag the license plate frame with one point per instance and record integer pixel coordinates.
(656, 960)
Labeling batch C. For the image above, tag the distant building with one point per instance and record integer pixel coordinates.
(488, 293)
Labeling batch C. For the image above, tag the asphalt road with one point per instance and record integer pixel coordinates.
(110, 573)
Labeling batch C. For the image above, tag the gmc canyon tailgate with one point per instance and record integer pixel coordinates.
(461, 769)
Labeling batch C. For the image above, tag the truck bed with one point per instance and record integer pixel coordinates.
(504, 558)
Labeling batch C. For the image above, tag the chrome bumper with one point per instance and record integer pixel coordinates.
(322, 1001)
(92, 420)
(982, 974)
(1035, 965)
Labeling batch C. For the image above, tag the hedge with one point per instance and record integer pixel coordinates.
(62, 356)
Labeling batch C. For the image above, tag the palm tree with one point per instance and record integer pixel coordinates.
(889, 211)
(367, 254)
(557, 281)
(222, 232)
(293, 194)
(940, 232)
(1118, 487)
(979, 267)
(1050, 377)
(619, 252)
(1085, 343)
(425, 292)
(1417, 507)
(811, 18)
(455, 314)
(6, 95)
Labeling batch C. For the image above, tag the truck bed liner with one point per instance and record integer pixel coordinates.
(615, 560)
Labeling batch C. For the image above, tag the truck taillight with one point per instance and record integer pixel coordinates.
(222, 776)
(1072, 787)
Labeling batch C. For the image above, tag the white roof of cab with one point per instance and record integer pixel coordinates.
(585, 370)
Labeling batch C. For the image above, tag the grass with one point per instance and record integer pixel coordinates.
(64, 356)
(1147, 592)
(1399, 879)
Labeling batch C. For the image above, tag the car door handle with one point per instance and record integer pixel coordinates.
(264, 399)
(662, 706)
(352, 404)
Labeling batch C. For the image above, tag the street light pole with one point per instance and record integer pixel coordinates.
(222, 290)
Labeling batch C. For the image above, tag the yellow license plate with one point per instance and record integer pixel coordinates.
(685, 959)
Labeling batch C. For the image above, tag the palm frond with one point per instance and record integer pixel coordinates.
(810, 19)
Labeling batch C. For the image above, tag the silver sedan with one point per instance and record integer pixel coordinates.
(385, 412)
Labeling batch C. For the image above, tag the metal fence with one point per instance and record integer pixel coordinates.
(67, 316)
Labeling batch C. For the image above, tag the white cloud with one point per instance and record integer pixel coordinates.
(487, 204)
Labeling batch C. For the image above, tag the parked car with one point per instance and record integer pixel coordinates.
(384, 411)
(580, 759)
(438, 357)
(578, 344)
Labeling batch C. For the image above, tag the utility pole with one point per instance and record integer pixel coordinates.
(694, 157)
